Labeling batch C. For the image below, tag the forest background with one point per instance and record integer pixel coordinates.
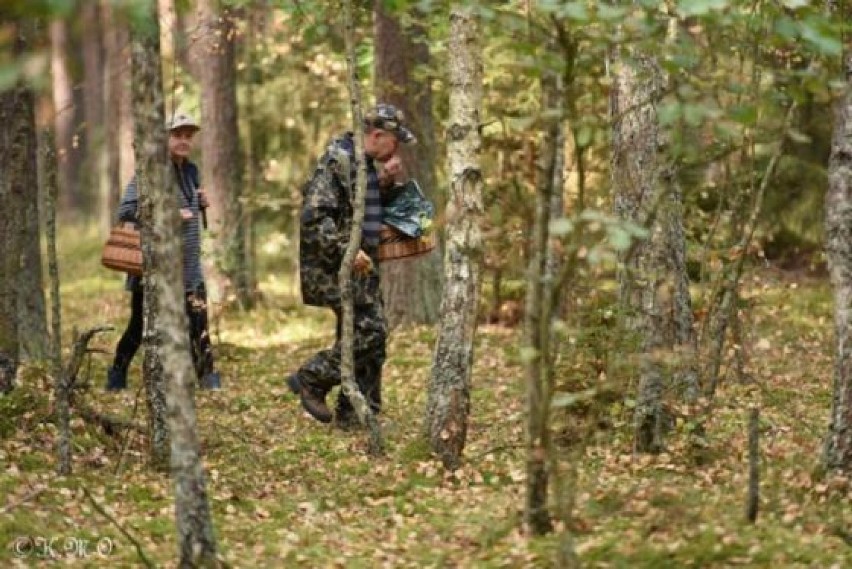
(632, 155)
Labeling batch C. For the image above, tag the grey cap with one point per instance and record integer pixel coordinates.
(181, 119)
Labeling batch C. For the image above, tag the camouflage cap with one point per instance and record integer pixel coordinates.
(388, 117)
(181, 119)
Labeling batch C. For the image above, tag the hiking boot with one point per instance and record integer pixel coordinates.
(312, 402)
(294, 384)
(116, 379)
(211, 381)
(315, 405)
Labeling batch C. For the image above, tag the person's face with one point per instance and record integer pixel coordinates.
(380, 144)
(180, 142)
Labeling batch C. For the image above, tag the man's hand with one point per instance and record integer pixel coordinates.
(362, 263)
(393, 172)
(203, 203)
(185, 213)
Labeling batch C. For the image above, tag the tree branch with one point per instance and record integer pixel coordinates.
(124, 532)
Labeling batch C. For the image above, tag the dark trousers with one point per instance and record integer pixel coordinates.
(322, 372)
(199, 338)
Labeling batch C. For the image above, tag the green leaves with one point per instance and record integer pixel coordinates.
(575, 11)
(528, 354)
(562, 400)
(700, 7)
(584, 135)
(596, 236)
(9, 74)
(619, 238)
(561, 227)
(819, 37)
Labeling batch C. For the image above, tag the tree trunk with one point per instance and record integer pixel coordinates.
(168, 29)
(63, 107)
(23, 170)
(347, 364)
(644, 287)
(118, 147)
(110, 191)
(838, 239)
(448, 402)
(221, 174)
(539, 311)
(127, 159)
(63, 411)
(685, 342)
(165, 293)
(93, 103)
(411, 287)
(753, 500)
(150, 148)
(252, 158)
(9, 254)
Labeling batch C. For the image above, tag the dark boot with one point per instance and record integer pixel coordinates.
(116, 379)
(312, 401)
(294, 384)
(211, 381)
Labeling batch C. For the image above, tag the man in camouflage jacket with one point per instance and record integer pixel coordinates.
(326, 221)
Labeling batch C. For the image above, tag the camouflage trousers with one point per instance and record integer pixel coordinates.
(199, 338)
(322, 371)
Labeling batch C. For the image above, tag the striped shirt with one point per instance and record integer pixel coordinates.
(186, 176)
(372, 224)
(372, 208)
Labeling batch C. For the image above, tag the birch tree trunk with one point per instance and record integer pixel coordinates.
(411, 287)
(838, 238)
(347, 363)
(164, 290)
(220, 152)
(150, 149)
(448, 403)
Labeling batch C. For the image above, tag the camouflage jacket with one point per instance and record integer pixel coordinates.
(325, 224)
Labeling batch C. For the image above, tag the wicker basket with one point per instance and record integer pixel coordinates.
(123, 250)
(394, 244)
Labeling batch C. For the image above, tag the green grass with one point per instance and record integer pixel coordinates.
(285, 491)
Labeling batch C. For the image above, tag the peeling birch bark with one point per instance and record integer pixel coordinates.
(448, 403)
(173, 379)
(837, 453)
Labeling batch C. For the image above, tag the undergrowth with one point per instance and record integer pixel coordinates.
(286, 491)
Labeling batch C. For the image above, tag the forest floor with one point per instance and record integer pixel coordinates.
(286, 491)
